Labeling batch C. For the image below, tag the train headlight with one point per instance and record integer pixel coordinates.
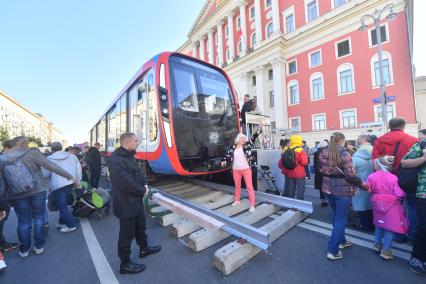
(165, 111)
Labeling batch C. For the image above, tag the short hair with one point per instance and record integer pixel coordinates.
(237, 139)
(366, 138)
(77, 149)
(303, 141)
(56, 146)
(97, 143)
(397, 123)
(19, 141)
(423, 131)
(247, 95)
(7, 144)
(125, 136)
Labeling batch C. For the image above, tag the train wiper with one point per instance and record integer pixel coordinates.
(223, 117)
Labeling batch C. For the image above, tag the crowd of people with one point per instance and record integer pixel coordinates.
(366, 179)
(28, 176)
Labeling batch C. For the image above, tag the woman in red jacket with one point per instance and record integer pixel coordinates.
(295, 177)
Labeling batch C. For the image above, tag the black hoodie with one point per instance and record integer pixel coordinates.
(128, 184)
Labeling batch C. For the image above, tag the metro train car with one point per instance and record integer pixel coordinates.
(183, 111)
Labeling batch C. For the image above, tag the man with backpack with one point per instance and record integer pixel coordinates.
(26, 191)
(129, 187)
(397, 143)
(61, 187)
(292, 164)
(416, 160)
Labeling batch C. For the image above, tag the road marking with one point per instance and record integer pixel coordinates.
(103, 269)
(358, 241)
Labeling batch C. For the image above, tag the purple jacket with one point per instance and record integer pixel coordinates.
(386, 200)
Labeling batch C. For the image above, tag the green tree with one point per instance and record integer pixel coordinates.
(4, 135)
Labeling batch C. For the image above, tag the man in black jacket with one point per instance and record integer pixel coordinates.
(129, 188)
(93, 160)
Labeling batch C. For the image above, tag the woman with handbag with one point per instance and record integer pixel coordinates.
(339, 178)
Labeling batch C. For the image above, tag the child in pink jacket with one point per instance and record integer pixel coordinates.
(388, 212)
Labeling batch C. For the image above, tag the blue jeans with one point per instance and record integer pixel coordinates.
(340, 206)
(383, 237)
(61, 195)
(30, 209)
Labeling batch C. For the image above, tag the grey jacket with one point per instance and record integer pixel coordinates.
(34, 160)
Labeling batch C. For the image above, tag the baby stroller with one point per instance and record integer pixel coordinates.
(90, 200)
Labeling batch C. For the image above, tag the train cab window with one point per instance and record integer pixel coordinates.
(185, 91)
(216, 93)
(153, 109)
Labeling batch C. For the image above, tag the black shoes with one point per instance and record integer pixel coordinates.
(149, 250)
(131, 268)
(6, 246)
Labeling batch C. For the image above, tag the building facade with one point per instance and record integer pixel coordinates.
(420, 86)
(18, 120)
(306, 62)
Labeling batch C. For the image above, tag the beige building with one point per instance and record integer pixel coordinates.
(420, 86)
(19, 120)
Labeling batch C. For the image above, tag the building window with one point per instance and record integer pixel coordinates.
(348, 118)
(345, 78)
(311, 10)
(228, 55)
(295, 124)
(270, 74)
(319, 122)
(253, 80)
(292, 67)
(317, 86)
(315, 58)
(387, 69)
(390, 114)
(227, 31)
(343, 48)
(271, 98)
(269, 30)
(253, 39)
(240, 47)
(268, 3)
(293, 91)
(289, 23)
(384, 35)
(238, 20)
(338, 3)
(252, 13)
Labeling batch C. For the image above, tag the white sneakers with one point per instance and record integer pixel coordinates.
(38, 251)
(236, 203)
(2, 265)
(24, 254)
(60, 226)
(67, 230)
(331, 256)
(252, 209)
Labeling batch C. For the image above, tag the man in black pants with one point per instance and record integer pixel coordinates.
(129, 188)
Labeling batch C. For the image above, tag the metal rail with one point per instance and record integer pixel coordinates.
(253, 235)
(290, 203)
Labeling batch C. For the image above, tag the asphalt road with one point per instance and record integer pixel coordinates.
(297, 257)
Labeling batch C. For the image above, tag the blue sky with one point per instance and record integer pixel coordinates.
(69, 59)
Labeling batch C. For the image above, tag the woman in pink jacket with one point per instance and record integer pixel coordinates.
(386, 200)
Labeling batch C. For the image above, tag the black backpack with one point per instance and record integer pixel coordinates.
(288, 159)
(408, 177)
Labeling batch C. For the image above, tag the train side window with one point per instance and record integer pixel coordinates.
(185, 89)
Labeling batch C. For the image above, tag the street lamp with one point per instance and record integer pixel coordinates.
(376, 17)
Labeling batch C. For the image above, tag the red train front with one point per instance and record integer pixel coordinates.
(183, 111)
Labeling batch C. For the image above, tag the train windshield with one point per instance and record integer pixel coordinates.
(205, 114)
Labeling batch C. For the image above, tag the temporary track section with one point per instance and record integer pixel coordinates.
(203, 214)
